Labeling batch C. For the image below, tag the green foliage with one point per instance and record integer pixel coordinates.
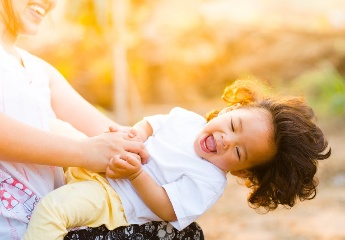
(325, 90)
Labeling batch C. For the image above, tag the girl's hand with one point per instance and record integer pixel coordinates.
(127, 166)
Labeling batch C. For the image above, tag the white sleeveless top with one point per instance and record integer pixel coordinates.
(24, 96)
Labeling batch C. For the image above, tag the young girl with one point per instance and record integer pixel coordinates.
(271, 142)
(32, 93)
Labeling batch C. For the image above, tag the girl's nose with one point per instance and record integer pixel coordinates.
(228, 140)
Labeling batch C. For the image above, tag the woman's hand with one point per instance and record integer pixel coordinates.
(133, 135)
(127, 166)
(97, 151)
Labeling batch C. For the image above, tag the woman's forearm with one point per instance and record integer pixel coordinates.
(26, 144)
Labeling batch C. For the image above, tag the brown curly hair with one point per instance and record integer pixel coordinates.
(290, 175)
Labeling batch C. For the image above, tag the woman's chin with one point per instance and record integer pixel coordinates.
(29, 29)
(29, 32)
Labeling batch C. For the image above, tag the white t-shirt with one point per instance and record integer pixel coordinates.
(24, 96)
(192, 183)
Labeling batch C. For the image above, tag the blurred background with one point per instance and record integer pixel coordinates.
(137, 58)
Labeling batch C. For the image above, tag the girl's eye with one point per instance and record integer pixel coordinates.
(232, 126)
(237, 150)
(238, 153)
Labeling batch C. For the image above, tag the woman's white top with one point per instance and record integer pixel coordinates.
(24, 96)
(192, 183)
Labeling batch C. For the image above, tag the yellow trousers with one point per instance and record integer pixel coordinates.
(86, 200)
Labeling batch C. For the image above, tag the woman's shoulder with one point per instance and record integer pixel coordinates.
(30, 58)
(34, 62)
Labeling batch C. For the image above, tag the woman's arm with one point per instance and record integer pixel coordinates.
(71, 107)
(26, 144)
(23, 143)
(153, 195)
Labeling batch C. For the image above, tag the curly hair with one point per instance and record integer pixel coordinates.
(290, 175)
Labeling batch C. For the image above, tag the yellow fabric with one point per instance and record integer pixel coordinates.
(113, 215)
(86, 200)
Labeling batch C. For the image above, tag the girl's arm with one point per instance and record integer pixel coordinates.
(153, 195)
(143, 129)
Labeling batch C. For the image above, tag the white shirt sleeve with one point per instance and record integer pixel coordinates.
(156, 121)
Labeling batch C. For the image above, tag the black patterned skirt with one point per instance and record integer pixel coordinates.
(150, 230)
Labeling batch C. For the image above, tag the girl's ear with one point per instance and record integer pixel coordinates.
(228, 109)
(241, 173)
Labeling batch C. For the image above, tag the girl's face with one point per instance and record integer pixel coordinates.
(237, 140)
(30, 13)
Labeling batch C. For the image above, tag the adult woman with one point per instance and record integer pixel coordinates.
(31, 94)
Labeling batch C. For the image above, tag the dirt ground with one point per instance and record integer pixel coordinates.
(322, 218)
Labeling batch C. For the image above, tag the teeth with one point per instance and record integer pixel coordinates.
(40, 10)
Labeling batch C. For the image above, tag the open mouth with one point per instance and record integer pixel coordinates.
(38, 9)
(208, 144)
